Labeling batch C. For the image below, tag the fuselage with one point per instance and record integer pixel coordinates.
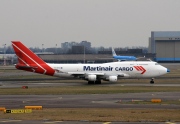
(128, 69)
(125, 58)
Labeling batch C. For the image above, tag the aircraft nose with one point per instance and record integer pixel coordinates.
(168, 70)
(164, 70)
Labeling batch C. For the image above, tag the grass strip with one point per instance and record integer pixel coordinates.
(86, 90)
(99, 114)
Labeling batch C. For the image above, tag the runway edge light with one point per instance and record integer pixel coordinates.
(156, 100)
(2, 108)
(34, 107)
(24, 87)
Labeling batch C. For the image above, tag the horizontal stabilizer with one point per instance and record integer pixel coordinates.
(26, 67)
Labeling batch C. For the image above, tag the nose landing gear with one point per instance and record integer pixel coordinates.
(152, 81)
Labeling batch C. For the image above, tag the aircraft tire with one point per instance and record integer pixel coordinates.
(90, 82)
(98, 82)
(151, 82)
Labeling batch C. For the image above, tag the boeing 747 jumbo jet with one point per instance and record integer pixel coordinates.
(93, 73)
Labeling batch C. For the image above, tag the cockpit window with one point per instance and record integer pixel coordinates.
(156, 64)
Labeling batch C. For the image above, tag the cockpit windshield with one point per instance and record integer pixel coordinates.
(156, 64)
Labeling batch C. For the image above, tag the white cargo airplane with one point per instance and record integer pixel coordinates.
(93, 73)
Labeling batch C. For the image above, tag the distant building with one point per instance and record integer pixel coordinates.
(122, 52)
(76, 48)
(166, 46)
(68, 45)
(86, 44)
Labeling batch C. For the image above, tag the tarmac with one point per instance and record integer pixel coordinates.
(84, 101)
(10, 121)
(91, 100)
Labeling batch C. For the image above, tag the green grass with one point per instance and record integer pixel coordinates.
(85, 90)
(99, 114)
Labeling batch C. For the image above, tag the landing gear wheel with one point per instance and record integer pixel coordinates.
(90, 82)
(152, 81)
(98, 82)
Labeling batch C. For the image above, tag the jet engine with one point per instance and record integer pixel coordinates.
(91, 77)
(113, 78)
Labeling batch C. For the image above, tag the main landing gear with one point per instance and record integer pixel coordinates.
(94, 82)
(152, 81)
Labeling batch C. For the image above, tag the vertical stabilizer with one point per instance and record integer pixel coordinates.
(113, 52)
(29, 61)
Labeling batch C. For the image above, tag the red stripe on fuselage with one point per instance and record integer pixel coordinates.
(143, 70)
(140, 68)
(136, 67)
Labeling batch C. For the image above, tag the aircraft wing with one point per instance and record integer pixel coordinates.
(83, 73)
(122, 75)
(98, 74)
(76, 74)
(140, 57)
(118, 59)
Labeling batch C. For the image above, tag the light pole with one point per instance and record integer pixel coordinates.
(4, 54)
(42, 48)
(56, 49)
(84, 54)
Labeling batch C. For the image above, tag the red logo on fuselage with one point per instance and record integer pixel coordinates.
(140, 68)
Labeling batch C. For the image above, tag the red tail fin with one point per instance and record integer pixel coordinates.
(29, 61)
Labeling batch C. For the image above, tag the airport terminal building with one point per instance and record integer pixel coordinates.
(166, 46)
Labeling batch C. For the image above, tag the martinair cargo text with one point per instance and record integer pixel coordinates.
(93, 73)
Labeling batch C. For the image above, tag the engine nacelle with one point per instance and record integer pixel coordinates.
(91, 77)
(113, 78)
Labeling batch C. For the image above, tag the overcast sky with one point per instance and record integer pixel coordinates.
(116, 23)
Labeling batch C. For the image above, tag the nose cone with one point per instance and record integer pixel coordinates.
(163, 71)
